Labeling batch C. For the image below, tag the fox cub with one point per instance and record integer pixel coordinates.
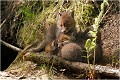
(64, 39)
(65, 23)
(57, 44)
(51, 48)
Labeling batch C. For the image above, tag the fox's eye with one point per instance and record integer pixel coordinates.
(61, 25)
(65, 24)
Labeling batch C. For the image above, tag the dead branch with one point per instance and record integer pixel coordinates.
(71, 66)
(16, 48)
(59, 62)
(10, 46)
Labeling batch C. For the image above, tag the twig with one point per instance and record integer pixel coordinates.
(10, 46)
(2, 23)
(105, 13)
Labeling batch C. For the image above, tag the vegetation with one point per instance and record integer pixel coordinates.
(33, 16)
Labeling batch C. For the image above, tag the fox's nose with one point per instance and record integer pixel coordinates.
(63, 29)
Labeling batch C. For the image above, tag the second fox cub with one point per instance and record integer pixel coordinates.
(51, 48)
(55, 45)
(64, 39)
(65, 23)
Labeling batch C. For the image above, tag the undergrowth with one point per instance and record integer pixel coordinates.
(36, 14)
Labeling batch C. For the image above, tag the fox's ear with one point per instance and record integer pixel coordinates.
(72, 13)
(53, 42)
(60, 14)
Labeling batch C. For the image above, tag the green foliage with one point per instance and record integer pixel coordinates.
(85, 14)
(33, 20)
(91, 43)
(26, 11)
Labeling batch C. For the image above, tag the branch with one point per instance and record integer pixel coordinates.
(2, 23)
(59, 62)
(105, 13)
(10, 46)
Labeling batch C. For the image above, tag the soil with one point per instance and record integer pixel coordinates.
(110, 34)
(110, 37)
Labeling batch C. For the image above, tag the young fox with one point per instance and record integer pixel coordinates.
(64, 39)
(53, 46)
(66, 48)
(65, 23)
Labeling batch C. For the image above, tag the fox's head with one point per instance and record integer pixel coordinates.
(51, 47)
(65, 21)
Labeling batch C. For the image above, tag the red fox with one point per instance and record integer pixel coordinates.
(64, 39)
(65, 23)
(66, 48)
(51, 48)
(54, 45)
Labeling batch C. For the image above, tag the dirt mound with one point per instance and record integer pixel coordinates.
(110, 34)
